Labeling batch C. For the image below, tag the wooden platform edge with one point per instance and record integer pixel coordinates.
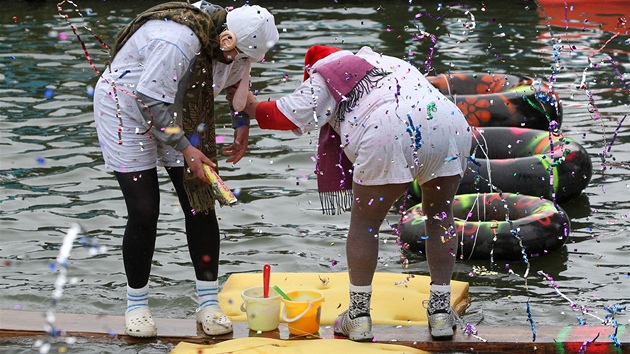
(26, 325)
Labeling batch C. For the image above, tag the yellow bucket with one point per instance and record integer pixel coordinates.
(303, 312)
(263, 313)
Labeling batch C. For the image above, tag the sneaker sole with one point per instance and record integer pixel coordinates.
(446, 333)
(360, 337)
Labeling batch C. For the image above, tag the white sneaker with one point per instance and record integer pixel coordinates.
(358, 329)
(440, 315)
(139, 323)
(214, 321)
(442, 324)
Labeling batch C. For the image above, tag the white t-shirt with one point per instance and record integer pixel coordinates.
(156, 62)
(375, 133)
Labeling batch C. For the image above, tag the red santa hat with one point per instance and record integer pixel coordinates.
(315, 53)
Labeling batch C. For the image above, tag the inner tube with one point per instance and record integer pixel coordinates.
(520, 161)
(501, 100)
(498, 226)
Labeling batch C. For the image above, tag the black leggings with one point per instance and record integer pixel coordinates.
(142, 197)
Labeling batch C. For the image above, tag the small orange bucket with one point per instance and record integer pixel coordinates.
(303, 312)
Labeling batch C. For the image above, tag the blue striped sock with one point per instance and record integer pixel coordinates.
(137, 298)
(208, 293)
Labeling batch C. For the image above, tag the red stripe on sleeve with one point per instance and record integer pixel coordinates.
(269, 117)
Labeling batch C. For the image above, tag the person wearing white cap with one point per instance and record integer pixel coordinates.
(154, 105)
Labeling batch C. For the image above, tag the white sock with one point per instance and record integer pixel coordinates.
(444, 288)
(361, 288)
(208, 293)
(360, 298)
(439, 298)
(137, 298)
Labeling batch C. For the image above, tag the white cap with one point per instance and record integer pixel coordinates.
(255, 30)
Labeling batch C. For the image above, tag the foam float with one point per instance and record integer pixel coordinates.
(501, 100)
(396, 298)
(523, 161)
(495, 226)
(278, 346)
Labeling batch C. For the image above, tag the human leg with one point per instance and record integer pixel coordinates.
(202, 232)
(202, 235)
(141, 193)
(441, 249)
(142, 198)
(437, 205)
(370, 206)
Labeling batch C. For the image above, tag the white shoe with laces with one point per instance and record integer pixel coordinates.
(358, 329)
(442, 324)
(440, 315)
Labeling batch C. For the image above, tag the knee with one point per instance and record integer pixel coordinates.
(145, 215)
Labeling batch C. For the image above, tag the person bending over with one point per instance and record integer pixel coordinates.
(381, 125)
(154, 105)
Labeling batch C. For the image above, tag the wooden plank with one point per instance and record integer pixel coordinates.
(20, 325)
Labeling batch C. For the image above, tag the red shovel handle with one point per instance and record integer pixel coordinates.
(266, 275)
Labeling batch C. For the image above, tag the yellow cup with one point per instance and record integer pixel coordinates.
(303, 312)
(263, 313)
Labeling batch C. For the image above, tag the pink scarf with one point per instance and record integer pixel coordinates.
(348, 79)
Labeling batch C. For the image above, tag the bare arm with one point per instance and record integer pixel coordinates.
(251, 105)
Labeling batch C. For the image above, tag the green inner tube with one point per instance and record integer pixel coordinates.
(502, 226)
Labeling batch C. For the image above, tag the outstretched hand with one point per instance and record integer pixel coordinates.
(237, 149)
(195, 160)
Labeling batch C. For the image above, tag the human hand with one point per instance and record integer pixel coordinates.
(237, 149)
(195, 160)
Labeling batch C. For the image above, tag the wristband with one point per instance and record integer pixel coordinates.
(239, 119)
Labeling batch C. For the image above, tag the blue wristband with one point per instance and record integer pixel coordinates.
(239, 119)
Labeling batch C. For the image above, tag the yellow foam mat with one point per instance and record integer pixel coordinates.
(396, 298)
(254, 345)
